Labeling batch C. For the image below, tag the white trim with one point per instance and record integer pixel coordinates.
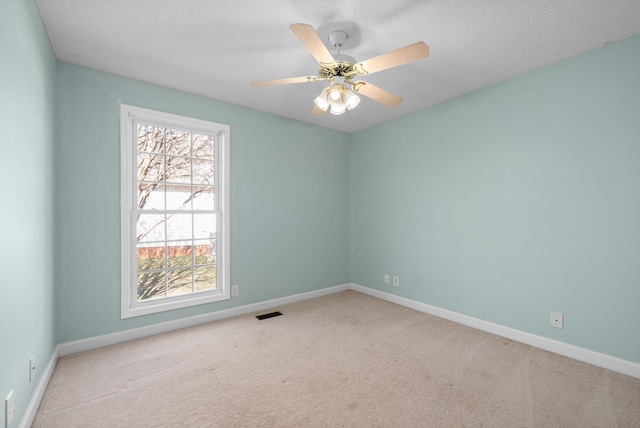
(129, 116)
(608, 362)
(136, 333)
(36, 398)
(224, 176)
(126, 196)
(591, 357)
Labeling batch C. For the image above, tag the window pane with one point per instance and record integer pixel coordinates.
(150, 228)
(180, 254)
(178, 142)
(204, 226)
(150, 167)
(203, 146)
(203, 199)
(151, 285)
(178, 170)
(178, 197)
(150, 257)
(205, 278)
(150, 139)
(179, 227)
(179, 281)
(203, 171)
(150, 196)
(205, 250)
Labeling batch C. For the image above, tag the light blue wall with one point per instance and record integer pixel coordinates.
(514, 201)
(503, 204)
(289, 201)
(27, 79)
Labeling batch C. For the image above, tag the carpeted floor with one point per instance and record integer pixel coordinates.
(344, 360)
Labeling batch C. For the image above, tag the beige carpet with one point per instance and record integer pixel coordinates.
(344, 360)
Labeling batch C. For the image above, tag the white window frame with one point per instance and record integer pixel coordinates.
(129, 117)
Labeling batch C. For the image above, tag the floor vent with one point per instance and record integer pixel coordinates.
(269, 315)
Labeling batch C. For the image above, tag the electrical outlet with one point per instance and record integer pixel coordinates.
(235, 290)
(396, 281)
(557, 320)
(386, 278)
(8, 410)
(32, 369)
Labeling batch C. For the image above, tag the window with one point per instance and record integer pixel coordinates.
(174, 211)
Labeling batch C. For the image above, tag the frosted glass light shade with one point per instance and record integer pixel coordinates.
(338, 109)
(351, 100)
(321, 101)
(335, 92)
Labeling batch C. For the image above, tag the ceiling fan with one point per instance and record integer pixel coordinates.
(338, 97)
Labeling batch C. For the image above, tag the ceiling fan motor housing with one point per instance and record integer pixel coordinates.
(337, 69)
(343, 65)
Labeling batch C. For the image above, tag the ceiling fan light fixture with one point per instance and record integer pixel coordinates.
(344, 68)
(339, 98)
(321, 100)
(338, 109)
(351, 100)
(335, 92)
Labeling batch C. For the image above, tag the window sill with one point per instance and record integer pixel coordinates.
(167, 304)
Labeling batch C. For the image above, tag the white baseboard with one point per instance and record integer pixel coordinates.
(591, 357)
(608, 362)
(36, 398)
(137, 333)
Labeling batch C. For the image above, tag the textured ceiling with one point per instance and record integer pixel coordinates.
(216, 48)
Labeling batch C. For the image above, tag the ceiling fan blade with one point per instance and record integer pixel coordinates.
(392, 59)
(377, 94)
(286, 81)
(317, 110)
(312, 42)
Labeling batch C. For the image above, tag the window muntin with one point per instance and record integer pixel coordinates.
(174, 211)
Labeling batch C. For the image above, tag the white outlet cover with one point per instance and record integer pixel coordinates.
(8, 409)
(32, 368)
(386, 279)
(557, 320)
(396, 281)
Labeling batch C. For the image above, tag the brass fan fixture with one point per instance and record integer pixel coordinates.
(342, 95)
